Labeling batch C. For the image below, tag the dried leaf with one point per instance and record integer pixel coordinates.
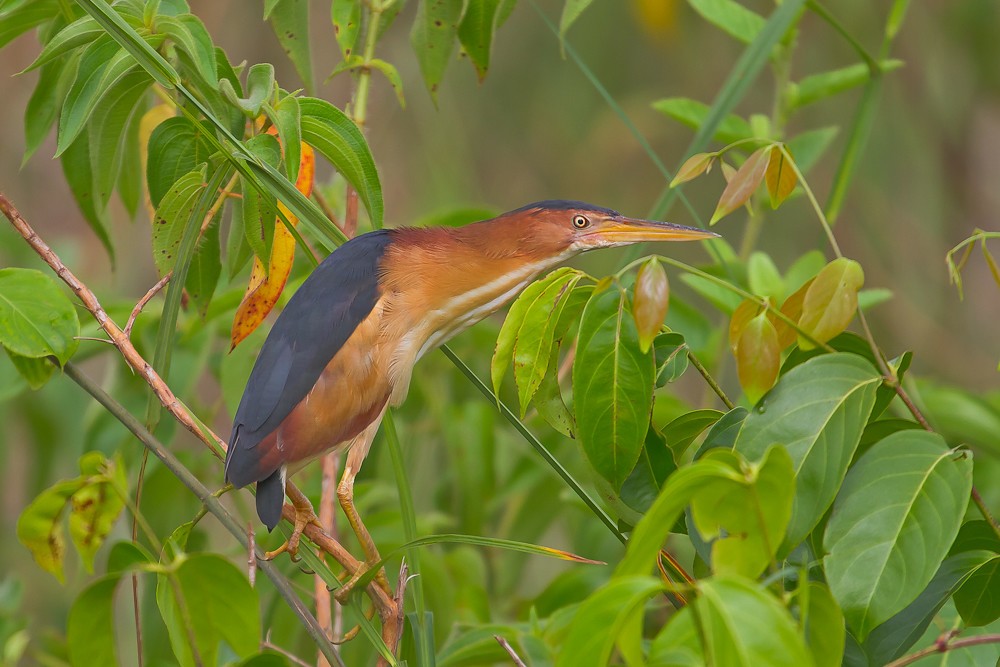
(743, 184)
(758, 357)
(831, 301)
(780, 177)
(652, 298)
(693, 167)
(264, 288)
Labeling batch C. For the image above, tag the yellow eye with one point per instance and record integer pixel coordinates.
(580, 222)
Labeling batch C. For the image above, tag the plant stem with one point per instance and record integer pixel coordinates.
(360, 111)
(943, 645)
(985, 511)
(710, 380)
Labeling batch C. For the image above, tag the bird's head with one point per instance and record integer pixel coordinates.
(570, 227)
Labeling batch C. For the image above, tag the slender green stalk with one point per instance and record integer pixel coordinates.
(710, 380)
(821, 11)
(212, 503)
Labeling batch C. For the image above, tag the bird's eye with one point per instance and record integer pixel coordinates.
(581, 221)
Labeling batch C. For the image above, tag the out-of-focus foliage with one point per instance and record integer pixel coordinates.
(808, 516)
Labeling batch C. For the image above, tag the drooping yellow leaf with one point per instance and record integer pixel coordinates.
(792, 309)
(652, 298)
(693, 167)
(147, 124)
(994, 269)
(779, 177)
(746, 311)
(743, 184)
(831, 301)
(758, 357)
(265, 287)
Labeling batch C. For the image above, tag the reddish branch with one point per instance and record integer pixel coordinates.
(390, 610)
(945, 643)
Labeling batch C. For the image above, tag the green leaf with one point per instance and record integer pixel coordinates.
(743, 625)
(82, 31)
(678, 644)
(724, 432)
(392, 76)
(977, 600)
(176, 147)
(534, 340)
(758, 357)
(205, 269)
(20, 19)
(221, 604)
(287, 117)
(733, 18)
(43, 106)
(602, 616)
(475, 33)
(433, 39)
(36, 318)
(683, 430)
(328, 130)
(346, 18)
(35, 371)
(821, 623)
(693, 114)
(193, 41)
(612, 387)
(260, 208)
(764, 278)
(40, 528)
(173, 215)
(90, 629)
(831, 301)
(118, 108)
(570, 13)
(817, 411)
(827, 84)
(95, 508)
(809, 146)
(745, 520)
(671, 351)
(548, 399)
(290, 20)
(77, 167)
(899, 509)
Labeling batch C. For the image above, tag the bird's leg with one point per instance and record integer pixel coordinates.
(304, 515)
(345, 493)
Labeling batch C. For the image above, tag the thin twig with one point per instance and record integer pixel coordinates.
(266, 644)
(710, 380)
(141, 303)
(505, 645)
(327, 505)
(944, 644)
(990, 519)
(251, 554)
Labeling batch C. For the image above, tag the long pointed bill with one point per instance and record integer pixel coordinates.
(622, 231)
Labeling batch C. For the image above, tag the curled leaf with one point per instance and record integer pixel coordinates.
(831, 301)
(743, 184)
(758, 357)
(780, 177)
(652, 298)
(693, 167)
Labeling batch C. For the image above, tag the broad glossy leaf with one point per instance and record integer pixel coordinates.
(601, 618)
(338, 139)
(221, 604)
(90, 629)
(77, 166)
(612, 387)
(745, 520)
(656, 463)
(173, 215)
(816, 87)
(743, 625)
(978, 600)
(534, 341)
(899, 510)
(831, 300)
(683, 430)
(763, 276)
(176, 147)
(893, 638)
(730, 16)
(36, 318)
(503, 354)
(649, 305)
(475, 33)
(671, 352)
(724, 432)
(758, 357)
(693, 167)
(821, 623)
(432, 37)
(743, 184)
(780, 177)
(345, 15)
(290, 20)
(693, 114)
(817, 411)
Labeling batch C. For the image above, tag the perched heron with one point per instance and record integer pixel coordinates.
(344, 347)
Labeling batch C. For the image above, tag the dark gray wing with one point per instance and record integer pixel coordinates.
(338, 295)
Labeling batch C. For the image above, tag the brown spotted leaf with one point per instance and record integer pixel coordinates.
(831, 301)
(743, 184)
(693, 167)
(779, 177)
(758, 357)
(265, 287)
(652, 298)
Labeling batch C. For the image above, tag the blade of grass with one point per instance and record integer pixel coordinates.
(534, 442)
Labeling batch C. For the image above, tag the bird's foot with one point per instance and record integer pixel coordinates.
(344, 592)
(304, 515)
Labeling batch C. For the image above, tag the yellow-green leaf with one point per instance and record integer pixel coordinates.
(746, 311)
(758, 357)
(792, 309)
(693, 167)
(650, 303)
(831, 301)
(780, 177)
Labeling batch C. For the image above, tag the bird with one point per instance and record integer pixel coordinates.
(343, 349)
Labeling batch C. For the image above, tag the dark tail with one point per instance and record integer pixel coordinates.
(270, 499)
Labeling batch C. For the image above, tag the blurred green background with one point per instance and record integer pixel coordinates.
(537, 129)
